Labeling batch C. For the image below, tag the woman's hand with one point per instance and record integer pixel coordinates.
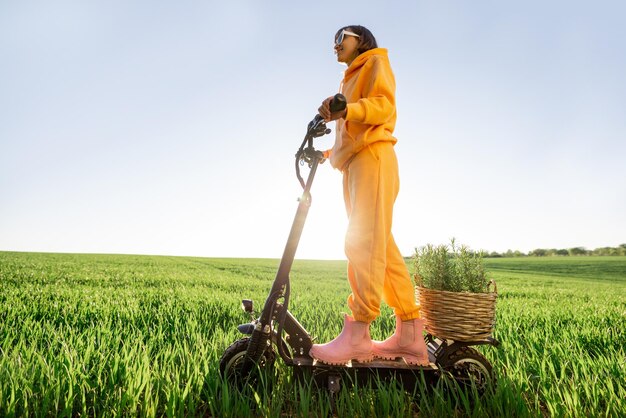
(324, 111)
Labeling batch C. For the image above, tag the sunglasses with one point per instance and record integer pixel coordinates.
(344, 32)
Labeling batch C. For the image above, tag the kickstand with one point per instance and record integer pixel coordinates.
(334, 384)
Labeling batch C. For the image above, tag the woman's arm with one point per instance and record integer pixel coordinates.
(378, 104)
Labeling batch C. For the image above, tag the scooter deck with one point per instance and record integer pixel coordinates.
(398, 364)
(333, 377)
(391, 364)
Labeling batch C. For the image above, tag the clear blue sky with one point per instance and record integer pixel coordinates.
(154, 127)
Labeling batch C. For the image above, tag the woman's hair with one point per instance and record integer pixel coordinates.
(366, 39)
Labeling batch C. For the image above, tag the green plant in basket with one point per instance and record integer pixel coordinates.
(452, 268)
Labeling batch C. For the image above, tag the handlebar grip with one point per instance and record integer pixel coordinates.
(338, 103)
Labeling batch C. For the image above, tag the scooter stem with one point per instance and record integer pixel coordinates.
(289, 254)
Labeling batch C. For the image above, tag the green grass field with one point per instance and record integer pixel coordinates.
(116, 335)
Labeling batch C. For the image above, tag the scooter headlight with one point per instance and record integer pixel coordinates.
(247, 305)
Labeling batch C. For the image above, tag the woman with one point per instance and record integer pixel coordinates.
(364, 153)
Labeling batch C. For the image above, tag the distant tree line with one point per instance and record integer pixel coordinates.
(545, 252)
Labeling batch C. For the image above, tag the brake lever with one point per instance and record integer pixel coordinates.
(317, 127)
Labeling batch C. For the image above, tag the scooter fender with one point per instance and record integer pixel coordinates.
(246, 328)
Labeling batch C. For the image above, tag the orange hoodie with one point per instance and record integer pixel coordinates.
(370, 88)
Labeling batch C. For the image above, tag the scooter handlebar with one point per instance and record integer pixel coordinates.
(316, 128)
(338, 103)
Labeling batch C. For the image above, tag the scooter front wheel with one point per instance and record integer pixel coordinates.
(231, 366)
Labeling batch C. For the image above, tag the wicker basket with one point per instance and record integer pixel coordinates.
(458, 316)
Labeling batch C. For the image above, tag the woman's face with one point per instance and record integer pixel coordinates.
(347, 50)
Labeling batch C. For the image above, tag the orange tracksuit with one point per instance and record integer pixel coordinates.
(364, 152)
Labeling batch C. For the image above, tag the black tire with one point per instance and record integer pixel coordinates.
(468, 367)
(232, 360)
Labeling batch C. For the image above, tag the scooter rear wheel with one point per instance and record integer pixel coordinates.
(469, 367)
(231, 365)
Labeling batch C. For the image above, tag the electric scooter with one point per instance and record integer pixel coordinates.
(276, 330)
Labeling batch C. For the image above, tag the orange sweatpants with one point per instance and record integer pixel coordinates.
(376, 269)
